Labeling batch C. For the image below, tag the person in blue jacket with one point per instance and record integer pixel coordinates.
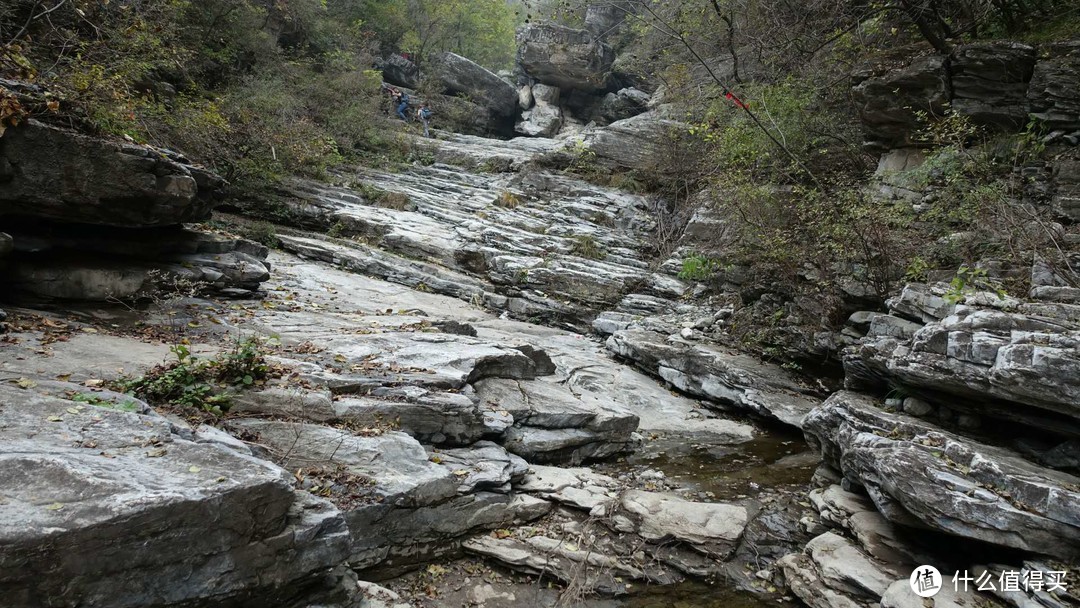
(402, 100)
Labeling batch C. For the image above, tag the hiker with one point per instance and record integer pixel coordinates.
(424, 114)
(402, 100)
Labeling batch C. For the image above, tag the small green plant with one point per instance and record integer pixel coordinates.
(336, 231)
(582, 159)
(972, 279)
(948, 129)
(917, 269)
(699, 268)
(585, 246)
(205, 385)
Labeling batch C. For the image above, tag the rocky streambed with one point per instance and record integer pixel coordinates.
(405, 439)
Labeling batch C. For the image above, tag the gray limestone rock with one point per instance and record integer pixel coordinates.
(105, 183)
(400, 71)
(552, 424)
(834, 573)
(640, 142)
(889, 88)
(1054, 85)
(990, 82)
(462, 76)
(917, 474)
(714, 528)
(623, 104)
(711, 372)
(1017, 367)
(564, 57)
(109, 508)
(402, 506)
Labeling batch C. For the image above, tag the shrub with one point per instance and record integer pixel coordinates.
(203, 385)
(585, 246)
(698, 267)
(508, 200)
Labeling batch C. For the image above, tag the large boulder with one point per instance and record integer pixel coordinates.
(543, 117)
(641, 142)
(109, 508)
(552, 424)
(542, 120)
(1055, 87)
(891, 87)
(990, 82)
(918, 475)
(565, 57)
(461, 76)
(400, 71)
(626, 103)
(52, 173)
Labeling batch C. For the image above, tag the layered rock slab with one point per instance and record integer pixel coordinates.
(1019, 367)
(552, 424)
(919, 475)
(105, 183)
(109, 508)
(710, 372)
(402, 504)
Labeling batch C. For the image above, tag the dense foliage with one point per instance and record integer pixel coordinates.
(482, 30)
(257, 89)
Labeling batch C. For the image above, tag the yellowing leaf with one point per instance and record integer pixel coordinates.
(194, 469)
(26, 383)
(55, 506)
(55, 419)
